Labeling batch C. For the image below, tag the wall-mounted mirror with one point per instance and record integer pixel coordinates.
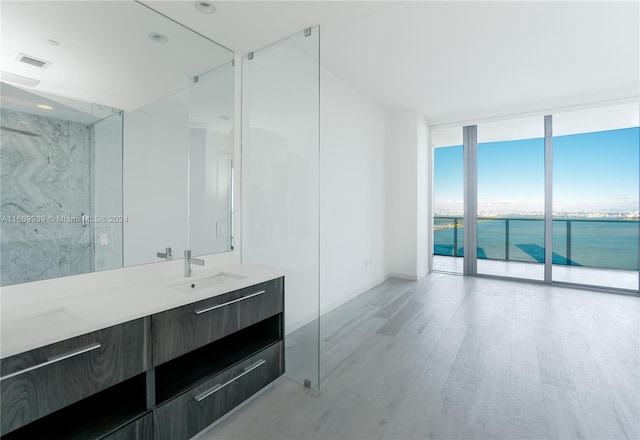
(116, 123)
(178, 154)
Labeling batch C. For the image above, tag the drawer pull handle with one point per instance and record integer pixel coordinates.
(54, 359)
(200, 397)
(242, 298)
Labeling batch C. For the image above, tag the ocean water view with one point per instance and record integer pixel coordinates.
(610, 243)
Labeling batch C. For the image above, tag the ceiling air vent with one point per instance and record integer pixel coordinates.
(33, 61)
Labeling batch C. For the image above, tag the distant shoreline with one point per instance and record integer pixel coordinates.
(524, 217)
(586, 215)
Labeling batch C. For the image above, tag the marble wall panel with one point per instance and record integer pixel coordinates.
(45, 174)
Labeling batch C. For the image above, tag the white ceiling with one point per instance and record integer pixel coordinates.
(450, 60)
(245, 26)
(104, 54)
(459, 61)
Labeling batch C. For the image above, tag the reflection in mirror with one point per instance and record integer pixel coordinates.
(119, 113)
(61, 175)
(211, 162)
(181, 144)
(156, 141)
(107, 52)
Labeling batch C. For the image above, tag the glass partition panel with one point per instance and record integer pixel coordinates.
(595, 196)
(511, 198)
(280, 186)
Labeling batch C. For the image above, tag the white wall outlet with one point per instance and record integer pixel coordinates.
(222, 229)
(102, 239)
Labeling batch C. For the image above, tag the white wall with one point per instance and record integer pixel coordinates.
(423, 198)
(407, 194)
(353, 133)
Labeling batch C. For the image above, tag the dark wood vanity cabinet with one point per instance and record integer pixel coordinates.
(192, 411)
(164, 376)
(141, 429)
(39, 382)
(178, 331)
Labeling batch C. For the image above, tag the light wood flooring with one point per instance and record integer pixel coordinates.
(451, 357)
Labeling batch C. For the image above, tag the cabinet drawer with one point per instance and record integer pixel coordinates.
(141, 429)
(186, 328)
(41, 381)
(191, 412)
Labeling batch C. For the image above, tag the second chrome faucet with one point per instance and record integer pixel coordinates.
(187, 262)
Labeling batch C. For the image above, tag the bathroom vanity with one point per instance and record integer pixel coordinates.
(150, 361)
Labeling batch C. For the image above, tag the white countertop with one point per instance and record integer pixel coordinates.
(32, 323)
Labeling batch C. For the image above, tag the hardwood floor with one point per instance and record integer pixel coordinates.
(450, 357)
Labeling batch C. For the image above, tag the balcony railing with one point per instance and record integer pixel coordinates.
(593, 242)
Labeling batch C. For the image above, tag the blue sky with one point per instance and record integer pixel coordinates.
(593, 172)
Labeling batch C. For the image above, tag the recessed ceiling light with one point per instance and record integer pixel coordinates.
(53, 42)
(44, 107)
(158, 38)
(205, 7)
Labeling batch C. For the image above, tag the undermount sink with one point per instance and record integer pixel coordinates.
(207, 282)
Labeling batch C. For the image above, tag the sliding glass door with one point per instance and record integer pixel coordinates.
(556, 198)
(595, 197)
(510, 199)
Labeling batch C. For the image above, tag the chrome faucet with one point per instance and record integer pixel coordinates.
(167, 254)
(187, 262)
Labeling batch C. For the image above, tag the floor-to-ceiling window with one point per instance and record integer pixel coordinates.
(448, 196)
(556, 198)
(595, 196)
(510, 198)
